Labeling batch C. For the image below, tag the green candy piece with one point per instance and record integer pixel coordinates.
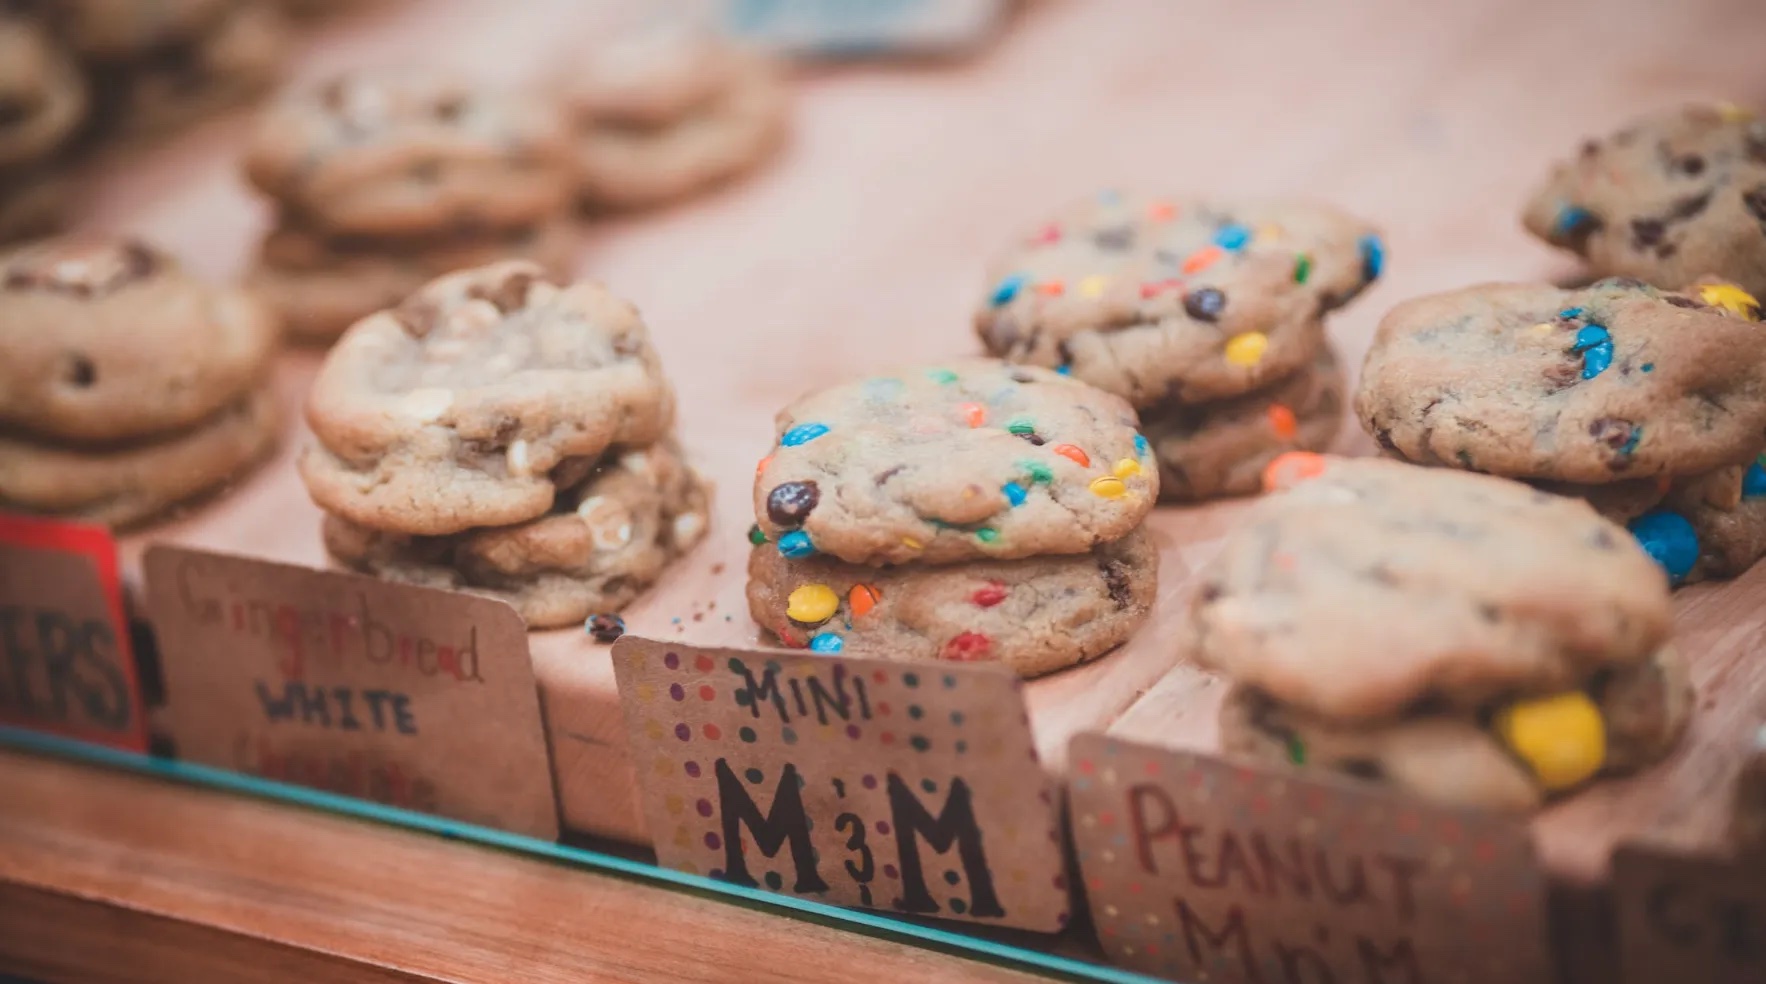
(1038, 472)
(1302, 268)
(1296, 750)
(987, 534)
(944, 376)
(755, 536)
(1021, 426)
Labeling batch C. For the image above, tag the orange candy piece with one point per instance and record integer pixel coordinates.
(763, 463)
(1282, 421)
(974, 413)
(1073, 454)
(861, 599)
(1051, 288)
(1291, 468)
(1161, 211)
(1202, 259)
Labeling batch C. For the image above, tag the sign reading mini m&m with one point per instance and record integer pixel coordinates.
(906, 788)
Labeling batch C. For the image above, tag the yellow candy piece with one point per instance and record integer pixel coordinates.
(1270, 233)
(1246, 349)
(1563, 738)
(1126, 468)
(812, 603)
(1731, 113)
(1544, 328)
(911, 543)
(1092, 286)
(1731, 298)
(1109, 487)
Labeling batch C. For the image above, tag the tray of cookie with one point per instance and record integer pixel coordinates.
(1539, 605)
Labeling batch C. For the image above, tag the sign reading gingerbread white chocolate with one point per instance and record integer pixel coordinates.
(66, 665)
(416, 698)
(913, 789)
(1200, 869)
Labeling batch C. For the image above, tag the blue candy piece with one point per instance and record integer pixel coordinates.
(1591, 336)
(1373, 257)
(1669, 540)
(1753, 483)
(1596, 346)
(1140, 446)
(1570, 313)
(827, 642)
(1064, 370)
(1009, 288)
(796, 544)
(1572, 219)
(1015, 493)
(1232, 237)
(803, 434)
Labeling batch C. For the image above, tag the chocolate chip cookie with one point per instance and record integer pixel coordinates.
(402, 154)
(42, 94)
(968, 460)
(109, 30)
(1699, 527)
(1669, 199)
(1376, 584)
(177, 82)
(1613, 382)
(1035, 615)
(110, 339)
(475, 400)
(605, 540)
(1461, 759)
(321, 285)
(124, 484)
(1164, 300)
(33, 202)
(1222, 448)
(663, 114)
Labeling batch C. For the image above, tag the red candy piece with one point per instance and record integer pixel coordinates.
(967, 647)
(1156, 287)
(989, 595)
(1049, 235)
(974, 413)
(1073, 454)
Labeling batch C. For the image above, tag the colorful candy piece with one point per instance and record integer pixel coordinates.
(1291, 468)
(826, 642)
(1015, 493)
(1562, 738)
(1373, 257)
(1247, 349)
(1232, 236)
(1021, 427)
(1669, 539)
(1283, 422)
(987, 534)
(1064, 370)
(1296, 750)
(1047, 236)
(1162, 211)
(1051, 288)
(1008, 289)
(796, 544)
(760, 466)
(1126, 468)
(989, 594)
(967, 647)
(974, 414)
(1595, 346)
(1039, 473)
(1108, 486)
(1753, 482)
(1302, 268)
(1093, 286)
(1074, 454)
(1731, 298)
(861, 599)
(1141, 448)
(943, 376)
(790, 503)
(755, 535)
(1206, 304)
(803, 434)
(812, 604)
(1202, 259)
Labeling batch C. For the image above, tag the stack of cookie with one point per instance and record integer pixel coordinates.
(43, 99)
(126, 385)
(1670, 200)
(502, 435)
(1461, 637)
(1649, 403)
(976, 510)
(1208, 317)
(384, 183)
(664, 113)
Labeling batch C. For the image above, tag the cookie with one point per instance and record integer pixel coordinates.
(322, 285)
(111, 340)
(33, 202)
(42, 94)
(1696, 528)
(113, 30)
(1035, 615)
(176, 83)
(404, 154)
(470, 402)
(969, 460)
(1214, 449)
(124, 484)
(1374, 585)
(1463, 758)
(1162, 301)
(1615, 381)
(606, 540)
(664, 114)
(1668, 200)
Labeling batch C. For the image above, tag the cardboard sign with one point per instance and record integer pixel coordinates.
(1688, 918)
(892, 786)
(1204, 870)
(416, 698)
(66, 665)
(828, 28)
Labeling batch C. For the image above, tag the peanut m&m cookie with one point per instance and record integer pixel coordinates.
(1034, 616)
(1160, 300)
(1613, 382)
(966, 460)
(1668, 199)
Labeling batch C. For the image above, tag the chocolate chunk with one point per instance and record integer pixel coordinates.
(1205, 304)
(605, 627)
(1688, 207)
(1647, 232)
(1362, 768)
(1115, 240)
(1691, 164)
(881, 478)
(508, 296)
(1590, 148)
(1034, 438)
(791, 503)
(418, 316)
(1682, 302)
(1116, 580)
(1616, 433)
(1384, 436)
(80, 371)
(450, 108)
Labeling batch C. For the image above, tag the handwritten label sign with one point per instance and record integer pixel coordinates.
(416, 698)
(1204, 870)
(66, 666)
(892, 786)
(1684, 917)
